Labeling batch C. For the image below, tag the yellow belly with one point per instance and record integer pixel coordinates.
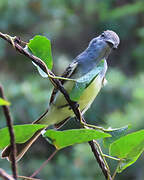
(57, 113)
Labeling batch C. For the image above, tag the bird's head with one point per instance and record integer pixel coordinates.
(111, 38)
(106, 39)
(99, 48)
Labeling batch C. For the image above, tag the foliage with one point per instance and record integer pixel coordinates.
(40, 46)
(128, 148)
(115, 134)
(4, 102)
(61, 139)
(70, 25)
(22, 133)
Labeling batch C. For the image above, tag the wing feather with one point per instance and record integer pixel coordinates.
(67, 74)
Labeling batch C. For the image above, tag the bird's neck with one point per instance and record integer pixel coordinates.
(90, 59)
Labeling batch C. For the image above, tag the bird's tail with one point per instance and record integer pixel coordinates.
(21, 148)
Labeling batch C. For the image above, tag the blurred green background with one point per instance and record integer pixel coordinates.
(70, 25)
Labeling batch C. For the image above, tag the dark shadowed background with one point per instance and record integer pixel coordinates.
(70, 25)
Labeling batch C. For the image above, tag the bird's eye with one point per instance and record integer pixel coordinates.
(102, 35)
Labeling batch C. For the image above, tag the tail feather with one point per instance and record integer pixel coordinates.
(21, 148)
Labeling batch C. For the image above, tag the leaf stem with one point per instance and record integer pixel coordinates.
(61, 78)
(12, 39)
(93, 126)
(101, 153)
(115, 172)
(111, 157)
(100, 160)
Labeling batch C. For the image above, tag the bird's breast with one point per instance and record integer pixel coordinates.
(60, 110)
(90, 93)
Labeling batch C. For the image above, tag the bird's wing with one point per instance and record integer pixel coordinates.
(67, 74)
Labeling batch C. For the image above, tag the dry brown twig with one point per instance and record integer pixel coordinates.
(5, 176)
(16, 44)
(11, 133)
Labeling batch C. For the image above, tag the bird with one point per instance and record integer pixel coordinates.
(59, 110)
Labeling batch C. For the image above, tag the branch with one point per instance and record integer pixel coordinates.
(4, 175)
(16, 44)
(74, 106)
(44, 164)
(11, 133)
(99, 157)
(27, 178)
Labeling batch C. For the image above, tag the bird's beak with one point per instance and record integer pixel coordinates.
(111, 44)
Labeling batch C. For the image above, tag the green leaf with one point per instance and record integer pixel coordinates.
(83, 82)
(61, 139)
(115, 134)
(40, 46)
(22, 133)
(129, 148)
(4, 102)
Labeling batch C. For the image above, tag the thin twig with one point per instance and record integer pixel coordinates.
(11, 133)
(101, 154)
(59, 86)
(100, 160)
(115, 172)
(27, 178)
(42, 65)
(98, 155)
(44, 164)
(5, 176)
